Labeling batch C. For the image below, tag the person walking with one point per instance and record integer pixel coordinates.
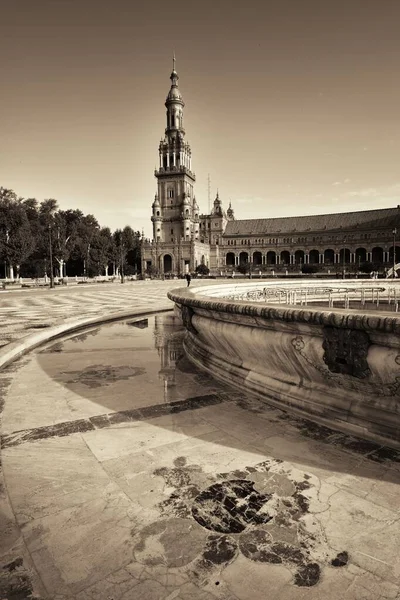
(188, 279)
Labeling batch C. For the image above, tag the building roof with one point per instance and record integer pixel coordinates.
(365, 219)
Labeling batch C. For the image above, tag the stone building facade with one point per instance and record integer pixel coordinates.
(183, 238)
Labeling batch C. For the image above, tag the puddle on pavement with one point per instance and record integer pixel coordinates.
(141, 360)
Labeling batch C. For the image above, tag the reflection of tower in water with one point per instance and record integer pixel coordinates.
(168, 334)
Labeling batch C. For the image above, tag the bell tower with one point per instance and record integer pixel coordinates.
(175, 213)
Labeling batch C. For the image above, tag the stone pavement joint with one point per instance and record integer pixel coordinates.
(107, 420)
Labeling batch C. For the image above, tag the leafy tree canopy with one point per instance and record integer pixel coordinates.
(30, 229)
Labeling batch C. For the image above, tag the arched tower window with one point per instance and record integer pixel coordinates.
(170, 193)
(172, 120)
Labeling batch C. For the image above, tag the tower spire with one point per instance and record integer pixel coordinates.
(173, 61)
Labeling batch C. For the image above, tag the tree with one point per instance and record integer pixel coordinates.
(202, 270)
(120, 250)
(16, 239)
(33, 235)
(366, 267)
(47, 211)
(66, 228)
(103, 249)
(86, 232)
(31, 206)
(308, 269)
(152, 271)
(132, 250)
(33, 266)
(244, 268)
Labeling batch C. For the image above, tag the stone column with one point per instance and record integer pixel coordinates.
(168, 159)
(337, 258)
(278, 259)
(161, 160)
(174, 158)
(321, 259)
(306, 259)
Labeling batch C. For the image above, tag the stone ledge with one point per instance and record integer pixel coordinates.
(340, 318)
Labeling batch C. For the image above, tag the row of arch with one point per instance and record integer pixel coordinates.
(329, 256)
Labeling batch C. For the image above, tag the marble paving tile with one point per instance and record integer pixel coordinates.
(77, 546)
(47, 476)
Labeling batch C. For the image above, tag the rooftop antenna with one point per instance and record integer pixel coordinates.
(209, 194)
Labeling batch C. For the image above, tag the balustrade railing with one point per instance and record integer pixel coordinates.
(333, 297)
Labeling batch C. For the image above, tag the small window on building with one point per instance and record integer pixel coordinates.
(158, 213)
(172, 232)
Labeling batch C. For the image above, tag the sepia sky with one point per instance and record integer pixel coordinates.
(292, 107)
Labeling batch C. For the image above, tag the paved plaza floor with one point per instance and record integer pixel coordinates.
(25, 311)
(131, 475)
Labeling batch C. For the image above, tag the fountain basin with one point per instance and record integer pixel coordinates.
(337, 366)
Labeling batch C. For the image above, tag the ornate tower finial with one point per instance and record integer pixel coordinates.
(230, 213)
(173, 61)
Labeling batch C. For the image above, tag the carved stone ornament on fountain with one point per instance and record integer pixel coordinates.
(346, 351)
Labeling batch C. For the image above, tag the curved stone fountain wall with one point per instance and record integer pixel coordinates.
(337, 366)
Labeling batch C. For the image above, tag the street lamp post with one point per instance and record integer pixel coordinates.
(51, 259)
(394, 251)
(5, 261)
(122, 263)
(87, 261)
